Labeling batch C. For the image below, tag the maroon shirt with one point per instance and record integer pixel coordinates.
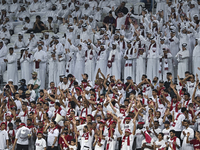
(195, 143)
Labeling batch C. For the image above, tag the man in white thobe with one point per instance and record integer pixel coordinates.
(25, 61)
(3, 53)
(196, 58)
(80, 60)
(152, 59)
(11, 61)
(90, 59)
(40, 58)
(129, 55)
(102, 60)
(183, 60)
(185, 145)
(114, 60)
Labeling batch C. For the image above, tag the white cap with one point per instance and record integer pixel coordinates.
(10, 80)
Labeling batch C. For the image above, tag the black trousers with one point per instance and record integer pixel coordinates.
(55, 148)
(22, 147)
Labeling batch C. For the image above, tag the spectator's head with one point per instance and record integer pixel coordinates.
(35, 1)
(73, 142)
(86, 5)
(39, 135)
(156, 124)
(169, 75)
(187, 96)
(64, 5)
(3, 125)
(172, 133)
(110, 13)
(144, 76)
(77, 7)
(10, 126)
(123, 4)
(34, 75)
(27, 19)
(197, 134)
(11, 50)
(155, 80)
(160, 136)
(186, 123)
(184, 46)
(52, 85)
(27, 94)
(24, 106)
(114, 46)
(57, 105)
(1, 44)
(30, 86)
(40, 47)
(3, 1)
(91, 18)
(38, 18)
(53, 124)
(50, 19)
(184, 110)
(20, 36)
(41, 93)
(154, 92)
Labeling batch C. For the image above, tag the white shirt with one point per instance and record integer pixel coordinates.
(170, 142)
(4, 137)
(51, 136)
(73, 147)
(166, 134)
(40, 144)
(178, 126)
(160, 143)
(22, 136)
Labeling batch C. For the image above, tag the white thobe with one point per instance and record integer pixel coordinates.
(129, 65)
(152, 62)
(183, 59)
(70, 63)
(140, 67)
(12, 68)
(167, 66)
(26, 66)
(115, 68)
(52, 67)
(90, 63)
(196, 59)
(42, 66)
(3, 53)
(80, 62)
(185, 145)
(102, 60)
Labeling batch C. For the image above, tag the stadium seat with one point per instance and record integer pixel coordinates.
(17, 29)
(13, 38)
(32, 19)
(26, 37)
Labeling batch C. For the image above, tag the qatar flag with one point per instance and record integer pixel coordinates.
(147, 137)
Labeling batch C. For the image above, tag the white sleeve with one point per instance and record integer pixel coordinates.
(44, 144)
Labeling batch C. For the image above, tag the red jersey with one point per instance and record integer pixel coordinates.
(68, 138)
(195, 143)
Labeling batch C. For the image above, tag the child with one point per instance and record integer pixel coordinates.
(73, 145)
(40, 143)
